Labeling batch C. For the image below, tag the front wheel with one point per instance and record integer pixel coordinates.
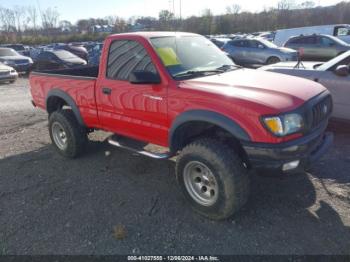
(212, 178)
(273, 60)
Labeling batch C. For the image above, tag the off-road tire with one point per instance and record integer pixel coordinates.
(230, 174)
(75, 134)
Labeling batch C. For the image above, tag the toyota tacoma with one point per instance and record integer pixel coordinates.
(182, 93)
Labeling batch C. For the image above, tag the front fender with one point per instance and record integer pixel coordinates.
(209, 117)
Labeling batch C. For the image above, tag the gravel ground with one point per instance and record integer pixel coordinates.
(111, 201)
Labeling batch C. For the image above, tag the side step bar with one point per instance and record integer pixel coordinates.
(136, 146)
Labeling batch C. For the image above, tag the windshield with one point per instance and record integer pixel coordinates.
(8, 52)
(180, 54)
(64, 55)
(336, 39)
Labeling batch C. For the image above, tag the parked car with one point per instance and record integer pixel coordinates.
(255, 51)
(318, 47)
(7, 74)
(10, 57)
(21, 49)
(220, 42)
(333, 74)
(95, 54)
(269, 36)
(341, 31)
(179, 91)
(57, 59)
(77, 50)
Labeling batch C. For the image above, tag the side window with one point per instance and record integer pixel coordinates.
(236, 43)
(311, 40)
(253, 44)
(125, 57)
(325, 41)
(256, 44)
(295, 41)
(245, 43)
(341, 31)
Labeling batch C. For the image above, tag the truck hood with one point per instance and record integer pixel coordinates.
(276, 91)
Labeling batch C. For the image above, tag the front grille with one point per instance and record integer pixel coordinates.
(321, 111)
(23, 61)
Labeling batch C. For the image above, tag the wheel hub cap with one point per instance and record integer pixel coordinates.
(59, 136)
(200, 183)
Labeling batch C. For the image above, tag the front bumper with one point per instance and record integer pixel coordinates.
(22, 68)
(273, 158)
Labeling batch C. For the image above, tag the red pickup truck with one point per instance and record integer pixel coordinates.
(180, 92)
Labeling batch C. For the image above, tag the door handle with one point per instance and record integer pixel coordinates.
(106, 90)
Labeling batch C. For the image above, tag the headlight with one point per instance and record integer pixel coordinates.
(285, 124)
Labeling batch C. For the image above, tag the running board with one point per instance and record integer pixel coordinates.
(136, 146)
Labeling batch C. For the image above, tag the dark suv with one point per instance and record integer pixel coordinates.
(318, 47)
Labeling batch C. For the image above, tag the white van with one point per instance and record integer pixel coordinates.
(340, 31)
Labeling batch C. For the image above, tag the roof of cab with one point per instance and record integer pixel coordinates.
(154, 34)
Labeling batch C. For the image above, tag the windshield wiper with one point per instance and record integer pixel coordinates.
(226, 68)
(199, 72)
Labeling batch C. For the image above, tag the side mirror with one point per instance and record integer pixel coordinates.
(342, 70)
(261, 46)
(144, 77)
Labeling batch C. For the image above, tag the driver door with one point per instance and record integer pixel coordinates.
(135, 110)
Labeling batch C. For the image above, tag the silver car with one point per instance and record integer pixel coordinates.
(7, 74)
(257, 51)
(334, 74)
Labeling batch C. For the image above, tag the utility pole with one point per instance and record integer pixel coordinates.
(180, 10)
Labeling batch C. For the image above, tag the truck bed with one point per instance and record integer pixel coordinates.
(77, 83)
(79, 72)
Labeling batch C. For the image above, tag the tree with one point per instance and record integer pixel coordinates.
(233, 9)
(49, 18)
(8, 19)
(65, 26)
(33, 16)
(207, 18)
(19, 15)
(165, 18)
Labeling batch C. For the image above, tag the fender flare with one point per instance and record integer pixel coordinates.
(69, 100)
(209, 117)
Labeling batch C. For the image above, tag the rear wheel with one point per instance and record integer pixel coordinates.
(273, 60)
(212, 178)
(67, 136)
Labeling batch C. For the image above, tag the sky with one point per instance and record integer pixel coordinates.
(73, 10)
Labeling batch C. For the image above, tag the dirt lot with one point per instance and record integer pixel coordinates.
(50, 205)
